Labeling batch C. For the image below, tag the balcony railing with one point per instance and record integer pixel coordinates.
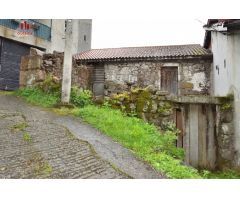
(40, 30)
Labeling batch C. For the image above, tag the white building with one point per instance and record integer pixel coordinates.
(223, 38)
(17, 36)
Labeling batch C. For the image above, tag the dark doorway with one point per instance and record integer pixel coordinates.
(169, 79)
(10, 59)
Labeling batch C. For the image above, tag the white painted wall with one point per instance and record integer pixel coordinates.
(234, 45)
(221, 73)
(228, 80)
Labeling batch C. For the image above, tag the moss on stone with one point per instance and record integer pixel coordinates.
(136, 90)
(142, 101)
(226, 102)
(226, 106)
(121, 97)
(165, 108)
(50, 85)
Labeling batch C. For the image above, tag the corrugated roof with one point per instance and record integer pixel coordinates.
(154, 52)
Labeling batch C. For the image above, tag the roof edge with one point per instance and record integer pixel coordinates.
(206, 57)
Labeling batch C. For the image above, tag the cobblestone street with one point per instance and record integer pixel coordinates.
(50, 152)
(35, 144)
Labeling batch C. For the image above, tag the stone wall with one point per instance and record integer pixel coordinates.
(148, 104)
(193, 75)
(36, 66)
(225, 136)
(82, 76)
(156, 107)
(206, 122)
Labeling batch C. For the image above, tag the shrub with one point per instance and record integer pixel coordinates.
(37, 96)
(50, 85)
(80, 97)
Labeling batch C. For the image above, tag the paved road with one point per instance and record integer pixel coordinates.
(37, 143)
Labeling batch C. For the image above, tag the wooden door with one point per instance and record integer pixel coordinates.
(169, 79)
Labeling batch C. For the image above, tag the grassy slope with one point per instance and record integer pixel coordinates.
(37, 97)
(142, 138)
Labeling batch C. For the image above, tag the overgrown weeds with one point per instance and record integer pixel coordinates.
(19, 127)
(27, 137)
(36, 96)
(143, 139)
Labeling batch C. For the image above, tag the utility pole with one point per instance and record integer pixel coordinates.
(67, 64)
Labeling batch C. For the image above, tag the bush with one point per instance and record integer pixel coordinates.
(80, 97)
(37, 96)
(50, 85)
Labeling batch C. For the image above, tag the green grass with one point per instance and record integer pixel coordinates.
(6, 92)
(143, 139)
(27, 137)
(38, 97)
(19, 127)
(225, 174)
(46, 169)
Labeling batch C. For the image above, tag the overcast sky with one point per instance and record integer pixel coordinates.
(119, 23)
(145, 32)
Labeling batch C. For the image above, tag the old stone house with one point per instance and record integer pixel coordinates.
(160, 84)
(178, 69)
(180, 80)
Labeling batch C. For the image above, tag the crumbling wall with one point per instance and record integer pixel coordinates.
(148, 104)
(195, 116)
(206, 126)
(225, 134)
(37, 66)
(82, 76)
(193, 75)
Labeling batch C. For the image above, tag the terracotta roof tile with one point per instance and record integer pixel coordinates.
(156, 52)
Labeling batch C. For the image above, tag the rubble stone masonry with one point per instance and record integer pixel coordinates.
(36, 66)
(193, 75)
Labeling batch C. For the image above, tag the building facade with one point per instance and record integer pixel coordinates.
(177, 69)
(48, 35)
(161, 85)
(223, 39)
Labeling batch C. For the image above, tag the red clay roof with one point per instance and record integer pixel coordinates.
(150, 52)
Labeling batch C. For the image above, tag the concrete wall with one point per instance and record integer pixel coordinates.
(235, 47)
(58, 35)
(84, 35)
(30, 40)
(227, 80)
(221, 72)
(57, 43)
(193, 75)
(47, 22)
(226, 62)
